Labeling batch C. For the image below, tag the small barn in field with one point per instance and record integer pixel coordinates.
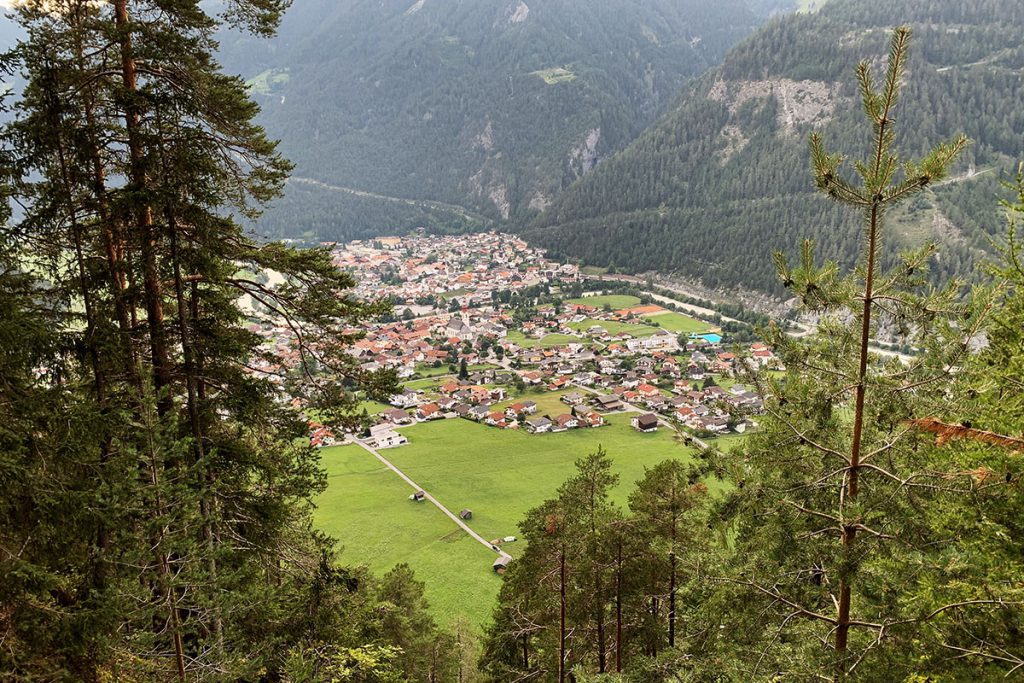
(466, 514)
(645, 423)
(501, 564)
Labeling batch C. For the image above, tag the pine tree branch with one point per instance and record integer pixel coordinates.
(947, 432)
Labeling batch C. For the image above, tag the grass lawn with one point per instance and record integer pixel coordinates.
(477, 367)
(677, 322)
(616, 301)
(517, 337)
(264, 82)
(425, 374)
(424, 370)
(548, 402)
(428, 383)
(727, 442)
(372, 407)
(366, 508)
(614, 327)
(448, 296)
(498, 474)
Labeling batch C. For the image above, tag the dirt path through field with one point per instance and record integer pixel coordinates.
(416, 487)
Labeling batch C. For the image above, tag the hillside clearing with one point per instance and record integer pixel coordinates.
(555, 75)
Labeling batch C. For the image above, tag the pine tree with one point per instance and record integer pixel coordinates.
(132, 155)
(832, 523)
(981, 431)
(664, 506)
(554, 608)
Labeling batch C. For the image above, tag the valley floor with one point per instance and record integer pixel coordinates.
(498, 474)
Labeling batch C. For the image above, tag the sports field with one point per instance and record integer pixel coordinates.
(613, 327)
(678, 322)
(615, 301)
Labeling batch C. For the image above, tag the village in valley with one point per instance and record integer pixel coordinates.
(469, 341)
(511, 367)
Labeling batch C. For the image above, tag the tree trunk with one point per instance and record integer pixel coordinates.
(99, 567)
(849, 533)
(618, 607)
(144, 218)
(152, 289)
(195, 423)
(602, 649)
(561, 622)
(672, 578)
(672, 599)
(654, 620)
(113, 241)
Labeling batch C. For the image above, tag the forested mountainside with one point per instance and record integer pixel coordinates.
(721, 179)
(490, 106)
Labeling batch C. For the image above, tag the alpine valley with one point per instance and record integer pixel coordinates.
(620, 142)
(459, 115)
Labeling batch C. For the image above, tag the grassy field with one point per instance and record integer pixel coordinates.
(498, 474)
(613, 327)
(616, 301)
(678, 322)
(366, 508)
(548, 402)
(265, 81)
(428, 383)
(517, 337)
(501, 474)
(425, 371)
(372, 407)
(726, 442)
(448, 296)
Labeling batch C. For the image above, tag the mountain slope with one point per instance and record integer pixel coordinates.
(490, 105)
(723, 178)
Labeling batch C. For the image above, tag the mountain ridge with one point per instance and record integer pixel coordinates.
(494, 106)
(720, 180)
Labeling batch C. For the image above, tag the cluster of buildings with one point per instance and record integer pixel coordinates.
(452, 315)
(427, 278)
(464, 399)
(663, 386)
(424, 271)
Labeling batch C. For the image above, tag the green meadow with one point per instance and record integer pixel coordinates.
(678, 322)
(518, 338)
(614, 327)
(498, 474)
(616, 301)
(366, 508)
